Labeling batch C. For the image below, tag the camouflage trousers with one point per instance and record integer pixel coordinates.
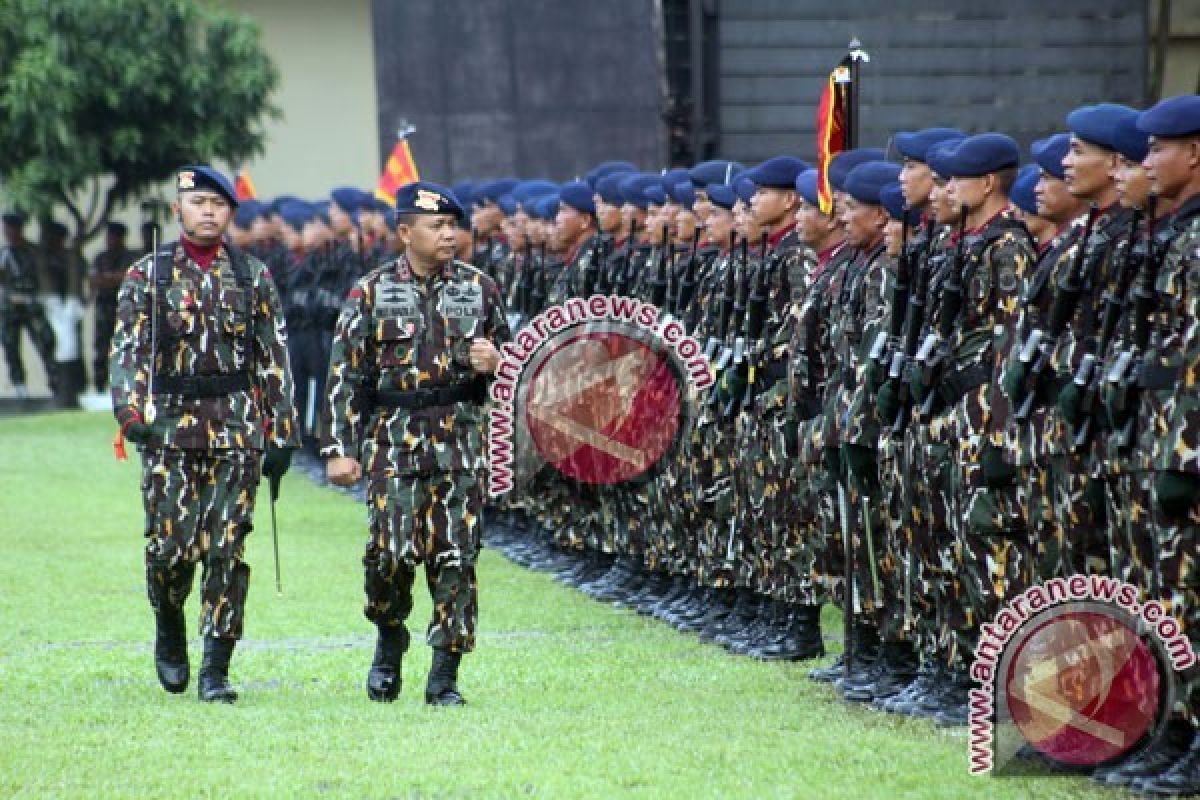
(807, 490)
(1079, 508)
(893, 540)
(784, 535)
(829, 548)
(865, 525)
(199, 506)
(937, 596)
(434, 519)
(33, 319)
(715, 506)
(1035, 488)
(751, 486)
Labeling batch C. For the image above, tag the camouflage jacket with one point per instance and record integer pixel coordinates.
(400, 332)
(813, 364)
(865, 293)
(20, 274)
(205, 320)
(1168, 421)
(1028, 442)
(791, 267)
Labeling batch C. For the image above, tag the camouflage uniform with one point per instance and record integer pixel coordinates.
(108, 265)
(201, 468)
(400, 333)
(20, 283)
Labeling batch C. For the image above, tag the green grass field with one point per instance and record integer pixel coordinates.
(568, 698)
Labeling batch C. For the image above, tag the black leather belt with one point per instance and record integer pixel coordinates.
(1156, 376)
(474, 392)
(955, 384)
(203, 385)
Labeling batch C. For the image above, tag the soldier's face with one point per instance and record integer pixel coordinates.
(1088, 168)
(203, 215)
(893, 236)
(339, 220)
(864, 223)
(430, 238)
(292, 239)
(718, 224)
(1054, 199)
(969, 192)
(608, 215)
(262, 229)
(814, 226)
(685, 226)
(771, 206)
(1133, 187)
(701, 205)
(916, 181)
(570, 224)
(1170, 165)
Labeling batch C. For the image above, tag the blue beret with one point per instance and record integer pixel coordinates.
(351, 199)
(891, 197)
(1175, 116)
(546, 207)
(389, 218)
(424, 197)
(465, 192)
(527, 189)
(719, 171)
(17, 218)
(1130, 142)
(674, 176)
(579, 196)
(297, 213)
(244, 217)
(779, 172)
(1095, 124)
(1023, 193)
(841, 164)
(655, 196)
(201, 177)
(936, 157)
(684, 194)
(508, 204)
(276, 205)
(982, 154)
(745, 188)
(321, 209)
(720, 194)
(609, 189)
(916, 144)
(866, 181)
(806, 185)
(631, 188)
(380, 205)
(492, 190)
(607, 168)
(1050, 152)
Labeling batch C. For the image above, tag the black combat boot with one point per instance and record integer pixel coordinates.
(803, 639)
(1151, 762)
(383, 679)
(897, 668)
(441, 688)
(1181, 780)
(170, 649)
(213, 685)
(828, 674)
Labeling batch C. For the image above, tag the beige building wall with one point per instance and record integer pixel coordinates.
(326, 136)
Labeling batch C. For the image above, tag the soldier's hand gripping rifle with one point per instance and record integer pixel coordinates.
(1091, 379)
(595, 264)
(1123, 378)
(1037, 353)
(935, 352)
(735, 371)
(887, 343)
(915, 320)
(757, 305)
(687, 283)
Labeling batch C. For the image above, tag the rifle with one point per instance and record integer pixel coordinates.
(273, 485)
(1042, 344)
(1126, 372)
(738, 346)
(658, 287)
(915, 319)
(625, 279)
(589, 275)
(720, 331)
(887, 341)
(687, 284)
(540, 287)
(935, 351)
(525, 285)
(1090, 373)
(755, 327)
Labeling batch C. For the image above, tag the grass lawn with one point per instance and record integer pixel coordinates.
(568, 698)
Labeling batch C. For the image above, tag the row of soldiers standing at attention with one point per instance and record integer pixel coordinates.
(963, 377)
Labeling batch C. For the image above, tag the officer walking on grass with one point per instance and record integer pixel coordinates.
(414, 344)
(201, 383)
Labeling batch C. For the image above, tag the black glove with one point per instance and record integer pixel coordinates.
(996, 471)
(861, 463)
(887, 402)
(132, 426)
(1176, 492)
(1013, 383)
(1070, 403)
(275, 464)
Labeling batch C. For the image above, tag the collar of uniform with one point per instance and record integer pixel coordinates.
(203, 257)
(826, 255)
(778, 236)
(1003, 212)
(1188, 208)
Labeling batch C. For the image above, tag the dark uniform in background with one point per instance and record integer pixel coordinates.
(20, 306)
(108, 270)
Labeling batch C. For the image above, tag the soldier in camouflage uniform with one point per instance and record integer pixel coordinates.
(20, 283)
(200, 381)
(414, 345)
(108, 269)
(976, 321)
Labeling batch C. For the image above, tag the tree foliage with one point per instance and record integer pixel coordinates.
(101, 100)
